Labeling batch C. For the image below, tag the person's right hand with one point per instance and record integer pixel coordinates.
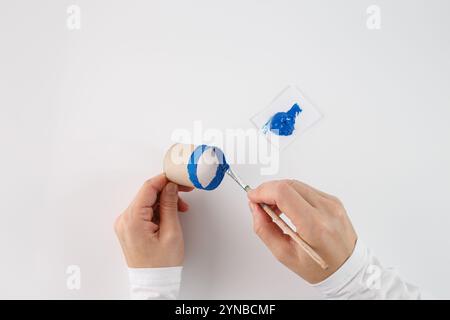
(320, 219)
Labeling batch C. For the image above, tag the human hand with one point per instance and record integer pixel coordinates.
(149, 230)
(320, 219)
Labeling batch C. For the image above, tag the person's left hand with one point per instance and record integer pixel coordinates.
(149, 230)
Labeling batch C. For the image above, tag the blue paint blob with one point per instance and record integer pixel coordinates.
(283, 123)
(222, 167)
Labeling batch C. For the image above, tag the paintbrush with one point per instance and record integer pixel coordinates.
(281, 224)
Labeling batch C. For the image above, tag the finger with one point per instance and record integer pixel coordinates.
(185, 188)
(275, 209)
(148, 194)
(168, 210)
(145, 218)
(146, 213)
(291, 203)
(147, 197)
(150, 227)
(272, 236)
(308, 193)
(183, 206)
(301, 185)
(272, 206)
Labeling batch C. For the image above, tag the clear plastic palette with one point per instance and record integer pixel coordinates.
(284, 102)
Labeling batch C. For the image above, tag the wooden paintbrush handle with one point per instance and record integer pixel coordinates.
(294, 235)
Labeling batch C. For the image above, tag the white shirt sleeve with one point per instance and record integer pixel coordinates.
(154, 283)
(363, 277)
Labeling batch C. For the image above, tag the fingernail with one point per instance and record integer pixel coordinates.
(171, 188)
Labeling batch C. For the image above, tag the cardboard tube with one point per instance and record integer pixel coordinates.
(175, 163)
(201, 167)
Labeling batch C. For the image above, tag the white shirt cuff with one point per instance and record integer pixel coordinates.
(155, 283)
(345, 274)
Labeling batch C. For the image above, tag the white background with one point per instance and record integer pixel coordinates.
(85, 118)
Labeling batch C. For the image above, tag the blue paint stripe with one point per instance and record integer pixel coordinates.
(222, 167)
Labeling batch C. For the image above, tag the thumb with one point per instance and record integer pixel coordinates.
(168, 210)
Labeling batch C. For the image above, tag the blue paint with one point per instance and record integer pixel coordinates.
(222, 167)
(283, 123)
